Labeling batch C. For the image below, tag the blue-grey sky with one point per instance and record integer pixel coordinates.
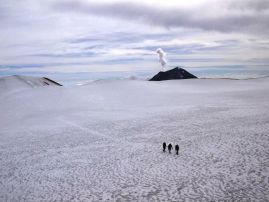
(68, 36)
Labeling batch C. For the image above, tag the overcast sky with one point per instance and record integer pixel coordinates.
(85, 36)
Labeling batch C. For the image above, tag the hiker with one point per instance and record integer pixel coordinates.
(164, 146)
(177, 148)
(170, 147)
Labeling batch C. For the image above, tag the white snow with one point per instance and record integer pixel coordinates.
(16, 83)
(103, 141)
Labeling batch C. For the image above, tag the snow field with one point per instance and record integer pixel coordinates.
(103, 142)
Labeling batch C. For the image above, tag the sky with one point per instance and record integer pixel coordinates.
(65, 36)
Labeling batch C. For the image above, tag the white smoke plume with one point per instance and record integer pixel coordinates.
(162, 57)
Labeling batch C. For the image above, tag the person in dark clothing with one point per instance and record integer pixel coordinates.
(177, 148)
(164, 146)
(170, 147)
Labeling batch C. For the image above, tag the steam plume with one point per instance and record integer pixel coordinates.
(162, 58)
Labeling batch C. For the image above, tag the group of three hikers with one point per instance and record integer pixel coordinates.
(170, 147)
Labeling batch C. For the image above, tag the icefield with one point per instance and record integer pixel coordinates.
(103, 141)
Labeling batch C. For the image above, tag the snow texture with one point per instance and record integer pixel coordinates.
(103, 141)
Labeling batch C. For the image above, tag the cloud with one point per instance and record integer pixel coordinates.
(257, 5)
(221, 17)
(83, 35)
(66, 55)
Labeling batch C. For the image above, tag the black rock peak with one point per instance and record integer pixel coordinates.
(176, 73)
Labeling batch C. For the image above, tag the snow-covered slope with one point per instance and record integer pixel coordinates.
(103, 141)
(15, 83)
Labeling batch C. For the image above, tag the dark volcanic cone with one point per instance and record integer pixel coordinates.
(176, 73)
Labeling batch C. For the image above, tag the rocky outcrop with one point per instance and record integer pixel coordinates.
(176, 73)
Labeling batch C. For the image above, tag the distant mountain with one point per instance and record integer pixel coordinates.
(19, 82)
(176, 73)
